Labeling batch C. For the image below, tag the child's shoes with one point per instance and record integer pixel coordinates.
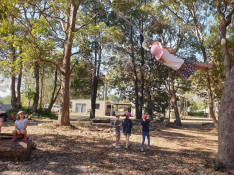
(14, 139)
(117, 146)
(25, 138)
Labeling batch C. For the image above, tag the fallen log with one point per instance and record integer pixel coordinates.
(18, 149)
(5, 136)
(101, 120)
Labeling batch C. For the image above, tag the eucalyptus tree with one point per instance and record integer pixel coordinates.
(226, 114)
(10, 39)
(61, 18)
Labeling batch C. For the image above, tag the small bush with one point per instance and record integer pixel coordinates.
(196, 113)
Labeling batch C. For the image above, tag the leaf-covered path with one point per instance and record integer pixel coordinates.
(88, 149)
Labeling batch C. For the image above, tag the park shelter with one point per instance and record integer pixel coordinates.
(83, 106)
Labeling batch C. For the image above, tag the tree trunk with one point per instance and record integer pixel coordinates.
(97, 65)
(226, 120)
(13, 79)
(64, 112)
(211, 102)
(142, 78)
(53, 96)
(226, 112)
(149, 102)
(138, 116)
(13, 96)
(36, 93)
(174, 100)
(93, 97)
(42, 88)
(225, 53)
(209, 91)
(18, 99)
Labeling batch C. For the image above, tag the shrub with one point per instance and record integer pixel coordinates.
(196, 113)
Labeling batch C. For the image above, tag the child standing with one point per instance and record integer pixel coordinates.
(185, 68)
(127, 128)
(21, 124)
(145, 131)
(117, 124)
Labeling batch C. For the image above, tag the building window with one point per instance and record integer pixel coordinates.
(97, 106)
(80, 108)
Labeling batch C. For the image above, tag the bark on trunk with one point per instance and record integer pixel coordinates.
(225, 53)
(64, 112)
(226, 112)
(36, 93)
(211, 102)
(42, 88)
(173, 99)
(226, 120)
(18, 99)
(13, 80)
(93, 97)
(13, 96)
(149, 102)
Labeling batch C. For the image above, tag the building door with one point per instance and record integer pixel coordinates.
(81, 108)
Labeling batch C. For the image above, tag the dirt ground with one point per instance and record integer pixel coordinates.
(86, 148)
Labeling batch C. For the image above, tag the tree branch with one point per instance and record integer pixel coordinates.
(87, 22)
(229, 18)
(53, 63)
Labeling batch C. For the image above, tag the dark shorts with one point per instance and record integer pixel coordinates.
(117, 133)
(187, 69)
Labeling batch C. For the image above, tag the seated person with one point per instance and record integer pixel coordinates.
(21, 124)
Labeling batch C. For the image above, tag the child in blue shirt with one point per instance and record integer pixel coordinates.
(127, 129)
(145, 131)
(117, 124)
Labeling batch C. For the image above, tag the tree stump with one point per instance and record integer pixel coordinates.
(19, 149)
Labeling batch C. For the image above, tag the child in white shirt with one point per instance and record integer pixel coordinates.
(165, 55)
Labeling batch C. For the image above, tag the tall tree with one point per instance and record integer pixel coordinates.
(226, 112)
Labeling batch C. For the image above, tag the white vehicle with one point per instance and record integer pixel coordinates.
(55, 107)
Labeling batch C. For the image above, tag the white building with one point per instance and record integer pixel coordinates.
(83, 106)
